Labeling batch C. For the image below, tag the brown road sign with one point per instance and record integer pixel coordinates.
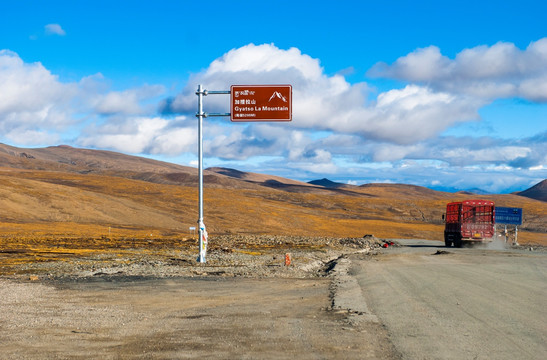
(261, 103)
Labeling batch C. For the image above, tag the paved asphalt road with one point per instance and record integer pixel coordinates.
(469, 303)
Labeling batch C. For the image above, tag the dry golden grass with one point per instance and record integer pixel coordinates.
(61, 203)
(49, 206)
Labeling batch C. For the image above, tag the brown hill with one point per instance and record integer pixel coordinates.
(61, 192)
(71, 159)
(65, 158)
(537, 192)
(269, 181)
(254, 177)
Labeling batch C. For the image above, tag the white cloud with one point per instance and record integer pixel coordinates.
(414, 114)
(143, 135)
(54, 29)
(422, 65)
(36, 108)
(498, 71)
(390, 152)
(319, 169)
(322, 102)
(263, 59)
(33, 101)
(95, 94)
(30, 137)
(443, 152)
(126, 102)
(534, 89)
(236, 142)
(27, 87)
(496, 154)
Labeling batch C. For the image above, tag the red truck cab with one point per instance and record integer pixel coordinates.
(469, 221)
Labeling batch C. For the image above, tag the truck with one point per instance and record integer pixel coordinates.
(469, 221)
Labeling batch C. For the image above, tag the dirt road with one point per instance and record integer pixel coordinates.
(464, 304)
(181, 318)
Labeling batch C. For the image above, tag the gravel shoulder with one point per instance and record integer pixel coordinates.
(243, 303)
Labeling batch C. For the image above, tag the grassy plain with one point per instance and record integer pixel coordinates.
(61, 200)
(45, 204)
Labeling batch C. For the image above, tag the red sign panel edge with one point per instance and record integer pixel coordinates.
(260, 86)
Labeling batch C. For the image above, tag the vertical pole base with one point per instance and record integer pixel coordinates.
(201, 257)
(202, 242)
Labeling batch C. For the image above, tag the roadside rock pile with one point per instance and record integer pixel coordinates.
(367, 241)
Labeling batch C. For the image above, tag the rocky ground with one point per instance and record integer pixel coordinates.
(228, 255)
(253, 256)
(130, 298)
(159, 302)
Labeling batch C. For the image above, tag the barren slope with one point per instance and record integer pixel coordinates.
(62, 191)
(537, 192)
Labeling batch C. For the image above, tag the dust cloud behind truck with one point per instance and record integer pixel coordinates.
(469, 221)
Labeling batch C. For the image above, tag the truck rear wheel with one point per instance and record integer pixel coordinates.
(458, 242)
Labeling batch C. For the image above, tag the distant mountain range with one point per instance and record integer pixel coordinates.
(537, 192)
(65, 191)
(78, 160)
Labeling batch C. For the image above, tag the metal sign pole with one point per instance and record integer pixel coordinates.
(202, 233)
(253, 102)
(200, 116)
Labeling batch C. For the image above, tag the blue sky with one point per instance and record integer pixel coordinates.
(445, 95)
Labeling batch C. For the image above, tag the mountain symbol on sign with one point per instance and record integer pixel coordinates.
(277, 94)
